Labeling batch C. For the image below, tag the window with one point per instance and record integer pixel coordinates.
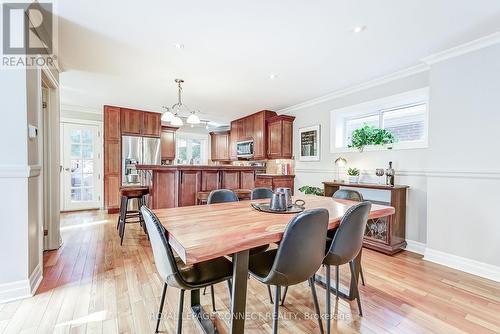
(191, 149)
(405, 115)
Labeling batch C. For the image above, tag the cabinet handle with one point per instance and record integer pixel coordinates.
(182, 177)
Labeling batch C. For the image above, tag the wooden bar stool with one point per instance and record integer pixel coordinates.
(131, 216)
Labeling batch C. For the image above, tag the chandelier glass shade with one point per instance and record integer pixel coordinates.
(175, 114)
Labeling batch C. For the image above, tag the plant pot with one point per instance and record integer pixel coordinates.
(353, 179)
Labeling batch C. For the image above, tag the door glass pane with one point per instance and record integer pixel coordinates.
(76, 180)
(76, 194)
(75, 136)
(87, 194)
(87, 137)
(88, 180)
(88, 166)
(87, 151)
(76, 151)
(76, 166)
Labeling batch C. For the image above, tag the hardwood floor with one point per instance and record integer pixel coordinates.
(92, 285)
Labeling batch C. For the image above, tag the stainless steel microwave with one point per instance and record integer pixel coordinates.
(244, 149)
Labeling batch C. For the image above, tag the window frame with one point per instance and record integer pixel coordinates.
(189, 137)
(339, 118)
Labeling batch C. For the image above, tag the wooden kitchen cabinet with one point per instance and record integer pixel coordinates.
(112, 158)
(112, 123)
(274, 181)
(220, 146)
(247, 179)
(167, 142)
(190, 185)
(230, 179)
(280, 137)
(210, 180)
(162, 193)
(233, 139)
(151, 124)
(131, 122)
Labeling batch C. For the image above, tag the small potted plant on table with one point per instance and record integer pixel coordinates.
(353, 175)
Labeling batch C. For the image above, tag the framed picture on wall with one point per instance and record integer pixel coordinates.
(309, 143)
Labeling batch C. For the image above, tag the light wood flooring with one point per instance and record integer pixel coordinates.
(94, 285)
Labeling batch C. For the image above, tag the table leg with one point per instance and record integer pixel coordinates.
(201, 317)
(351, 296)
(239, 294)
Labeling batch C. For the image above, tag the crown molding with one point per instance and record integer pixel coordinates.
(77, 108)
(462, 49)
(353, 89)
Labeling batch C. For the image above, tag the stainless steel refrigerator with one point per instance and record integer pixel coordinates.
(138, 150)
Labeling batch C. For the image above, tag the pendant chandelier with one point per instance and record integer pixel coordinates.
(179, 110)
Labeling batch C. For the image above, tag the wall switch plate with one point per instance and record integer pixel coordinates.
(32, 131)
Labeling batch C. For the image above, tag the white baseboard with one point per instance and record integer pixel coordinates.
(415, 247)
(461, 263)
(21, 289)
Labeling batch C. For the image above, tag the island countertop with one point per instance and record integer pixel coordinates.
(199, 167)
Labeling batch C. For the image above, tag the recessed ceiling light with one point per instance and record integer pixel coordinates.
(179, 46)
(358, 29)
(273, 76)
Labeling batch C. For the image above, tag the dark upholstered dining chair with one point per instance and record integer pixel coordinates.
(261, 193)
(351, 195)
(344, 248)
(297, 258)
(174, 273)
(221, 196)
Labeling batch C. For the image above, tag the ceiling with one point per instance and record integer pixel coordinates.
(124, 52)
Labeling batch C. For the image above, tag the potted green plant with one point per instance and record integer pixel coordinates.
(353, 175)
(370, 135)
(310, 190)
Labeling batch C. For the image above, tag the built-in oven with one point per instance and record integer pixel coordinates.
(244, 149)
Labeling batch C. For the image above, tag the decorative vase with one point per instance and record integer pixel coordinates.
(353, 178)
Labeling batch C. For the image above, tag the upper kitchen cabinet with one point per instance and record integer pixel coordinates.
(280, 137)
(112, 123)
(131, 122)
(220, 146)
(151, 124)
(233, 139)
(167, 142)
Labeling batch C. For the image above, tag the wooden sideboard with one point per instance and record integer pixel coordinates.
(386, 234)
(274, 181)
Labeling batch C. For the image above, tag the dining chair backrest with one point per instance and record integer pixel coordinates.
(348, 239)
(302, 248)
(349, 194)
(162, 253)
(260, 193)
(221, 196)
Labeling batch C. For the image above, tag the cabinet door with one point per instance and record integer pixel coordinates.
(112, 157)
(189, 187)
(151, 124)
(230, 179)
(210, 180)
(274, 139)
(248, 127)
(247, 179)
(232, 141)
(167, 143)
(263, 182)
(287, 140)
(112, 191)
(162, 195)
(131, 121)
(283, 183)
(111, 123)
(222, 147)
(259, 144)
(241, 130)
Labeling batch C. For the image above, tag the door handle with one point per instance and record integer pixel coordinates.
(66, 169)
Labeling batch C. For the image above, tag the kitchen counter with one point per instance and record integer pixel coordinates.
(199, 167)
(275, 175)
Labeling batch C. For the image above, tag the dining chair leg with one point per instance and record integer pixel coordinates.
(270, 293)
(337, 279)
(284, 296)
(276, 309)
(328, 300)
(179, 313)
(125, 201)
(230, 287)
(353, 275)
(213, 297)
(361, 274)
(316, 305)
(161, 306)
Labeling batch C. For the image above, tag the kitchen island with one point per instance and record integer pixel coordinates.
(178, 185)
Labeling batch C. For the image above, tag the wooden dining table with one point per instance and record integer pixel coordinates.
(204, 232)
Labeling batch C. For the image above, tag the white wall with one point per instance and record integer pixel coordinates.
(454, 183)
(462, 211)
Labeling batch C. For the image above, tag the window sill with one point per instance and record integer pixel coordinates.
(375, 148)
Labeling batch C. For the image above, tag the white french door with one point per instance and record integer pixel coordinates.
(82, 161)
